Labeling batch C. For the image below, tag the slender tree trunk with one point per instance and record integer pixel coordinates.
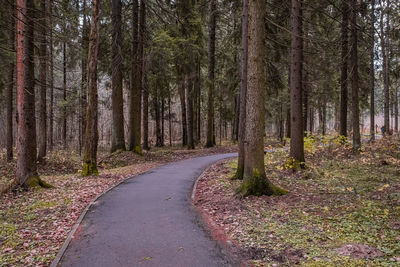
(182, 97)
(43, 83)
(396, 110)
(190, 111)
(199, 101)
(84, 82)
(118, 137)
(156, 102)
(169, 118)
(145, 114)
(26, 141)
(10, 87)
(65, 94)
(372, 73)
(162, 120)
(243, 90)
(343, 75)
(135, 109)
(354, 79)
(255, 181)
(211, 73)
(385, 68)
(296, 66)
(51, 112)
(92, 134)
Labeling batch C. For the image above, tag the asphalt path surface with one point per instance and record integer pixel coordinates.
(148, 220)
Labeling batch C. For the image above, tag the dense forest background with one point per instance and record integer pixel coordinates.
(170, 72)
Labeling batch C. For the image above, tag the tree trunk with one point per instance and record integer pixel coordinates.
(372, 73)
(385, 68)
(92, 135)
(64, 94)
(211, 73)
(118, 138)
(43, 83)
(156, 102)
(169, 118)
(296, 66)
(343, 69)
(190, 111)
(162, 120)
(145, 114)
(255, 181)
(243, 90)
(181, 91)
(84, 83)
(11, 83)
(51, 112)
(135, 104)
(354, 79)
(26, 141)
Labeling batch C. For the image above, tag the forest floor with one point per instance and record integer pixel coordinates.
(342, 210)
(35, 223)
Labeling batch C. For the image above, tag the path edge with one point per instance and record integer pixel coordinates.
(228, 245)
(71, 234)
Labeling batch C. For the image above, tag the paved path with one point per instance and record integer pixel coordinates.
(148, 221)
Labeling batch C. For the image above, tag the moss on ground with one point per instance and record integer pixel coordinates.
(340, 199)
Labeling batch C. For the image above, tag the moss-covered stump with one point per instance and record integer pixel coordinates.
(89, 168)
(258, 186)
(35, 181)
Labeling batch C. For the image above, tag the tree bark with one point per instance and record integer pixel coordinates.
(43, 83)
(84, 82)
(182, 97)
(92, 135)
(51, 112)
(145, 114)
(118, 136)
(135, 103)
(190, 112)
(255, 181)
(372, 73)
(354, 78)
(243, 90)
(296, 69)
(10, 87)
(26, 141)
(156, 102)
(343, 69)
(169, 118)
(385, 68)
(211, 74)
(64, 131)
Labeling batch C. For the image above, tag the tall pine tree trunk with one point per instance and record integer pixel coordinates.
(211, 73)
(118, 137)
(64, 131)
(51, 111)
(372, 73)
(135, 103)
(26, 141)
(145, 114)
(43, 82)
(354, 78)
(255, 181)
(243, 90)
(343, 69)
(182, 97)
(92, 134)
(10, 87)
(386, 92)
(296, 66)
(190, 112)
(84, 83)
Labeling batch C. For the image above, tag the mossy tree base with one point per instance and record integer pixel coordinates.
(258, 186)
(238, 175)
(138, 150)
(35, 181)
(89, 169)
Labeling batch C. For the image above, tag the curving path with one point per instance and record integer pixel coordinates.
(148, 221)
